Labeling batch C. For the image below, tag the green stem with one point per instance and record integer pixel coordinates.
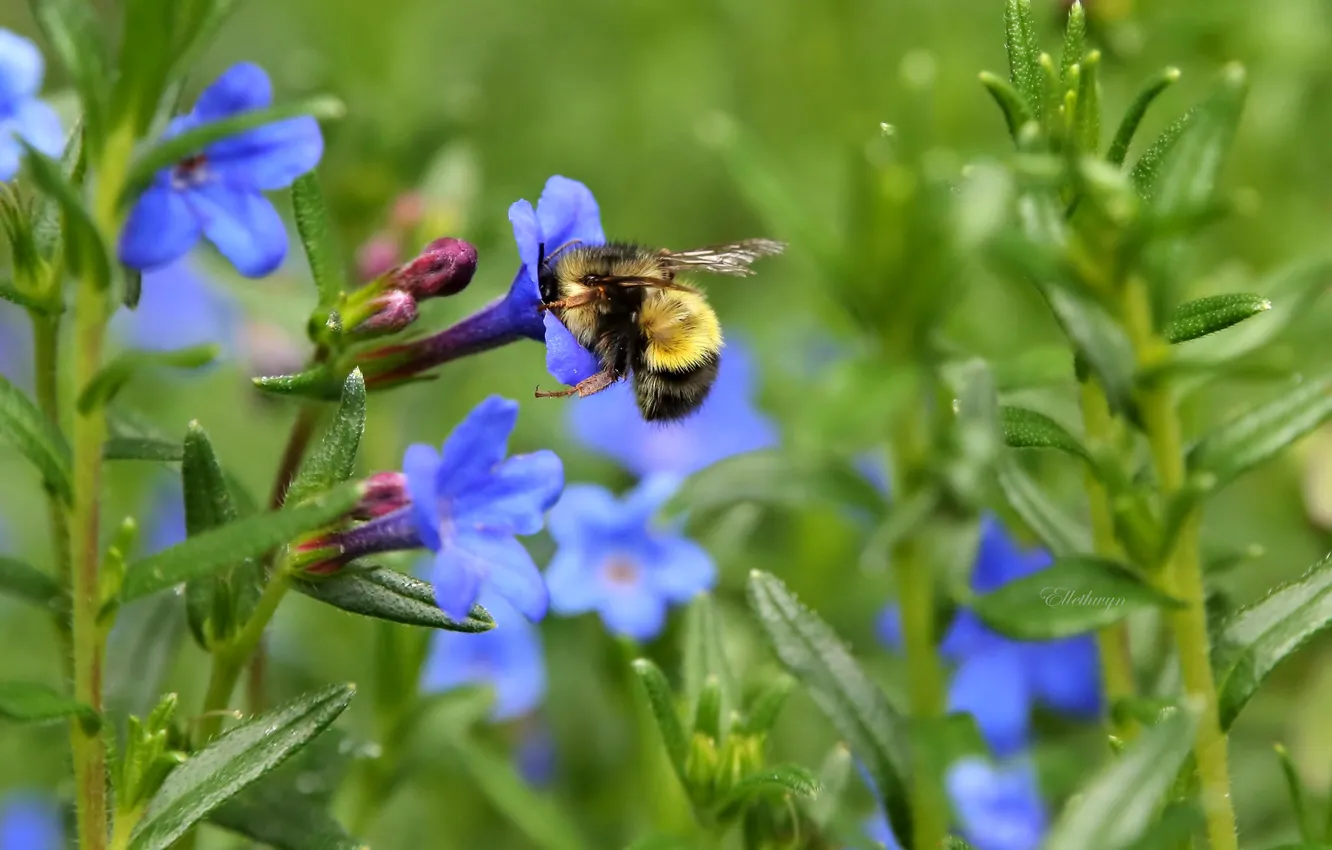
(1183, 577)
(46, 357)
(1113, 641)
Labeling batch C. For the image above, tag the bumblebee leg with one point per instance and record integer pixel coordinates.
(585, 387)
(582, 299)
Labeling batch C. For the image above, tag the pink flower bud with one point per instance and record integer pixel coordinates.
(385, 492)
(391, 312)
(376, 256)
(445, 267)
(408, 210)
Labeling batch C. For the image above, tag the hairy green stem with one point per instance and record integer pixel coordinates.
(46, 357)
(1182, 576)
(1112, 641)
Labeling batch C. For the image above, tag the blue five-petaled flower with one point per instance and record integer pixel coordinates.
(468, 504)
(612, 559)
(218, 192)
(508, 658)
(22, 115)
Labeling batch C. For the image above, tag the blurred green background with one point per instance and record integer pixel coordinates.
(478, 101)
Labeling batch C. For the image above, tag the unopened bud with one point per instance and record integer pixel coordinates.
(445, 267)
(408, 210)
(376, 256)
(385, 492)
(392, 311)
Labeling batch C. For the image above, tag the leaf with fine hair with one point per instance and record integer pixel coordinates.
(24, 581)
(32, 702)
(1029, 429)
(145, 57)
(75, 35)
(29, 431)
(1128, 126)
(1204, 316)
(662, 703)
(334, 460)
(316, 231)
(85, 252)
(385, 594)
(1023, 53)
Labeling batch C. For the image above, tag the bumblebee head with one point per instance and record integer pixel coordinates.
(548, 283)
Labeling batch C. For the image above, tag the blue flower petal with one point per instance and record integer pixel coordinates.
(1000, 559)
(515, 498)
(520, 681)
(683, 569)
(21, 68)
(644, 501)
(567, 210)
(30, 822)
(269, 157)
(243, 225)
(241, 88)
(512, 574)
(877, 829)
(566, 359)
(967, 635)
(39, 125)
(584, 511)
(992, 687)
(527, 234)
(457, 575)
(509, 658)
(476, 446)
(1066, 676)
(11, 153)
(1000, 808)
(180, 308)
(633, 611)
(161, 228)
(571, 583)
(888, 627)
(420, 464)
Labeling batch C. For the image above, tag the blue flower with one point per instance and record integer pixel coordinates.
(468, 504)
(613, 561)
(536, 756)
(508, 658)
(180, 308)
(30, 822)
(999, 679)
(15, 345)
(166, 523)
(998, 807)
(727, 424)
(22, 115)
(218, 192)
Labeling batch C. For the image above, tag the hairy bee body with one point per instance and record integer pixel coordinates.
(621, 301)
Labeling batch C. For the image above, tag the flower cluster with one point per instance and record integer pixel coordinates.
(22, 115)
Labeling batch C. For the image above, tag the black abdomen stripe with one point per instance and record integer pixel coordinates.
(672, 394)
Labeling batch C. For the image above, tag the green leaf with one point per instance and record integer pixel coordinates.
(386, 594)
(1254, 640)
(26, 582)
(1189, 170)
(861, 713)
(974, 438)
(708, 710)
(46, 214)
(196, 32)
(288, 809)
(1128, 127)
(144, 644)
(1120, 802)
(1146, 171)
(1295, 787)
(1056, 529)
(1174, 829)
(761, 715)
(320, 383)
(85, 253)
(145, 56)
(168, 152)
(705, 654)
(232, 762)
(30, 702)
(1074, 595)
(252, 537)
(143, 448)
(540, 818)
(72, 30)
(1023, 52)
(1214, 313)
(662, 702)
(1016, 111)
(1028, 429)
(113, 377)
(834, 775)
(777, 781)
(777, 478)
(334, 460)
(23, 425)
(321, 250)
(1101, 341)
(13, 296)
(1087, 117)
(1075, 40)
(1258, 435)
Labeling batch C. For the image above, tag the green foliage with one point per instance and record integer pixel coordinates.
(316, 232)
(85, 252)
(72, 31)
(385, 594)
(777, 478)
(24, 426)
(24, 581)
(103, 388)
(1204, 316)
(334, 460)
(32, 702)
(1028, 429)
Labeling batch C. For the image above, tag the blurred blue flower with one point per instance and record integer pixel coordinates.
(22, 115)
(179, 308)
(536, 754)
(166, 518)
(15, 345)
(613, 561)
(727, 424)
(30, 822)
(508, 658)
(468, 504)
(219, 192)
(998, 679)
(998, 807)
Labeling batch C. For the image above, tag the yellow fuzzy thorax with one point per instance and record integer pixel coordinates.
(680, 328)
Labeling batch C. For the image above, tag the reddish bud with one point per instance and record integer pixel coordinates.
(389, 312)
(445, 267)
(408, 210)
(385, 492)
(376, 256)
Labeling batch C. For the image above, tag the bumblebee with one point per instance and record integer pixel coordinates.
(623, 303)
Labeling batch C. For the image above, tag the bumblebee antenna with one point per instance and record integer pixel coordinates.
(561, 248)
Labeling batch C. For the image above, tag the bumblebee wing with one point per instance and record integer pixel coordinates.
(732, 259)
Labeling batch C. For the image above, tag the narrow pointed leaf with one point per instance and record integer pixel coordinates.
(1295, 788)
(1214, 313)
(761, 715)
(26, 582)
(1189, 171)
(252, 537)
(385, 594)
(1023, 52)
(143, 448)
(662, 702)
(1016, 111)
(705, 653)
(1128, 127)
(145, 56)
(778, 478)
(319, 383)
(29, 431)
(31, 702)
(1087, 117)
(1120, 802)
(777, 781)
(106, 384)
(1100, 341)
(860, 712)
(46, 214)
(232, 762)
(708, 710)
(1028, 429)
(75, 36)
(1074, 595)
(1254, 640)
(85, 252)
(1056, 529)
(334, 460)
(316, 231)
(284, 812)
(1075, 39)
(13, 296)
(1146, 171)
